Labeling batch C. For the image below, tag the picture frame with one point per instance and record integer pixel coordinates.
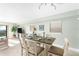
(41, 27)
(32, 27)
(56, 26)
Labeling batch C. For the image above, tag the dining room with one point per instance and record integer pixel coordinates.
(39, 29)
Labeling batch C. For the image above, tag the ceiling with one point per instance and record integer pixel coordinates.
(29, 12)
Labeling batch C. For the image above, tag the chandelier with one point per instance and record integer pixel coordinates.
(45, 4)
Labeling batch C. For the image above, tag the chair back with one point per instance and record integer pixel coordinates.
(22, 40)
(66, 46)
(32, 45)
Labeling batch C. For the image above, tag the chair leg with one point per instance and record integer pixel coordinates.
(26, 53)
(21, 51)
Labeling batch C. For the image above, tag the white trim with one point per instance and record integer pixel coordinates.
(70, 48)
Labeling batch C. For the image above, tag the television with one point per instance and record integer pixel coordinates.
(3, 31)
(20, 30)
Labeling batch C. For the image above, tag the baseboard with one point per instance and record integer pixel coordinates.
(70, 48)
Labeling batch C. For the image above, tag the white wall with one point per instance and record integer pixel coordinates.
(70, 30)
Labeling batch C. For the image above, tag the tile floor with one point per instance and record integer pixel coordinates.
(12, 50)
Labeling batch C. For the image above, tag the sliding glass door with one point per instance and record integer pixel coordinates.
(3, 32)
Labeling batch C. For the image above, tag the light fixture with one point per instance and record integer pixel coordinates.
(45, 4)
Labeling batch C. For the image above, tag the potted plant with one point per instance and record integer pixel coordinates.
(14, 30)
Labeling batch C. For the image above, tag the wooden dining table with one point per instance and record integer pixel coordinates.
(46, 42)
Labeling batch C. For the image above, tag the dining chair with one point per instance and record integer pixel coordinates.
(57, 51)
(23, 44)
(33, 48)
(66, 47)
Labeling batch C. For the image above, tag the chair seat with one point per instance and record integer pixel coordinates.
(56, 50)
(38, 51)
